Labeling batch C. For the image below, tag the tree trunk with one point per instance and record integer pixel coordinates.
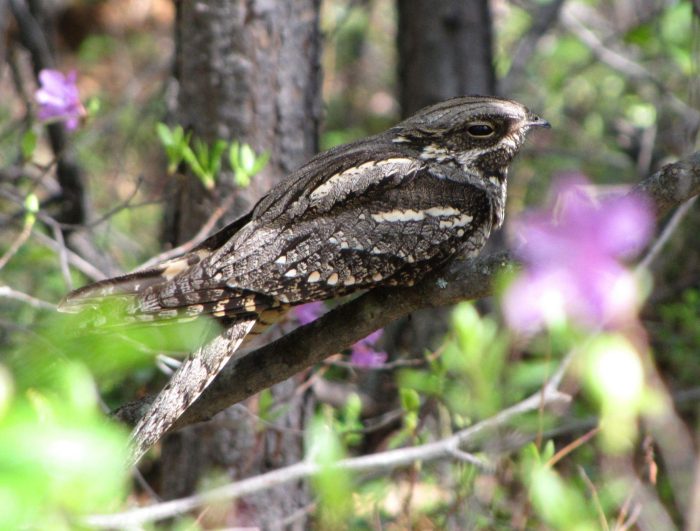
(247, 71)
(445, 50)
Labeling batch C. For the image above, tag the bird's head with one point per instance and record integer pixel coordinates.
(481, 134)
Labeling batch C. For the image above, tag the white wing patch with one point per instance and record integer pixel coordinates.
(455, 218)
(351, 179)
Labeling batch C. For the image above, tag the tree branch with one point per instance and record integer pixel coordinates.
(382, 461)
(247, 374)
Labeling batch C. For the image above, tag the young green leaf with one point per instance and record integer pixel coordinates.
(29, 140)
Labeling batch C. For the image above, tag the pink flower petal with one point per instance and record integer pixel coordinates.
(58, 98)
(307, 313)
(572, 261)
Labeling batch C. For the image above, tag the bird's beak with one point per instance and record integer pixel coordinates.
(535, 121)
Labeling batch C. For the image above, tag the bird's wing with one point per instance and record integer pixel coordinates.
(197, 283)
(381, 223)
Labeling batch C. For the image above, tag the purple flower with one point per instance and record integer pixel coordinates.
(58, 98)
(363, 354)
(307, 313)
(573, 266)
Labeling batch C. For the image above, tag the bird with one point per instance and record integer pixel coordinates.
(381, 211)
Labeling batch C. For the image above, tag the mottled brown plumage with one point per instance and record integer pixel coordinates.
(380, 211)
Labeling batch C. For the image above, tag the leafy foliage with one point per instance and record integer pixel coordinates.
(60, 458)
(205, 160)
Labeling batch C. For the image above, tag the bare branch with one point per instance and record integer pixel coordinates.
(10, 293)
(543, 19)
(666, 234)
(17, 244)
(383, 461)
(198, 238)
(74, 259)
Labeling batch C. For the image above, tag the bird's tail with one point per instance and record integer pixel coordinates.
(188, 382)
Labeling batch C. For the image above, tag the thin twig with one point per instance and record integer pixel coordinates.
(470, 458)
(126, 203)
(382, 461)
(389, 366)
(596, 499)
(572, 446)
(62, 255)
(632, 520)
(195, 240)
(666, 234)
(21, 239)
(74, 259)
(297, 515)
(10, 293)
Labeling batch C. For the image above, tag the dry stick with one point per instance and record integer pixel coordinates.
(196, 240)
(19, 241)
(248, 374)
(10, 293)
(623, 63)
(62, 254)
(572, 446)
(666, 234)
(596, 499)
(389, 460)
(74, 259)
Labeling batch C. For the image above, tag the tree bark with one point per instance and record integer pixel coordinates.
(445, 50)
(247, 71)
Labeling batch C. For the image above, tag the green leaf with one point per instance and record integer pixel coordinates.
(548, 451)
(29, 140)
(260, 162)
(247, 158)
(164, 133)
(333, 486)
(558, 502)
(217, 151)
(176, 143)
(410, 400)
(245, 163)
(31, 205)
(205, 160)
(93, 105)
(353, 408)
(191, 159)
(265, 403)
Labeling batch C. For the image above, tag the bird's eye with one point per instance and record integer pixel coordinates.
(480, 130)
